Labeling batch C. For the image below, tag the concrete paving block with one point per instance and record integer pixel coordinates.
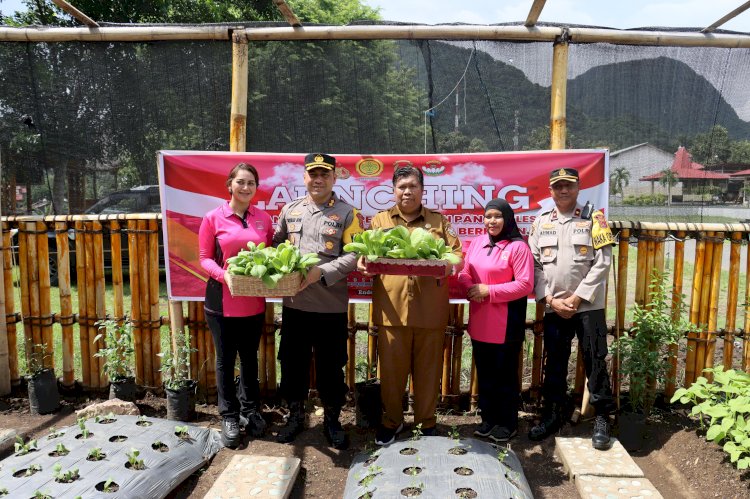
(7, 439)
(580, 458)
(256, 477)
(602, 487)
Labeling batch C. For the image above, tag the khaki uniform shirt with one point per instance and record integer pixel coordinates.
(565, 261)
(321, 229)
(410, 300)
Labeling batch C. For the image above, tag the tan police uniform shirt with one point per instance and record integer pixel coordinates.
(410, 300)
(565, 261)
(324, 230)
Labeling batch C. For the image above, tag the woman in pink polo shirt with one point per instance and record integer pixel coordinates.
(497, 277)
(236, 323)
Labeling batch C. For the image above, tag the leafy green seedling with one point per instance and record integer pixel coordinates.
(417, 432)
(95, 454)
(61, 450)
(182, 432)
(133, 461)
(64, 477)
(53, 433)
(453, 433)
(22, 448)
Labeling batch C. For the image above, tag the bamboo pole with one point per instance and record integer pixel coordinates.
(642, 271)
(679, 266)
(45, 307)
(445, 379)
(135, 302)
(101, 312)
(621, 289)
(534, 12)
(210, 358)
(115, 242)
(83, 18)
(145, 315)
(739, 10)
(558, 124)
(714, 301)
(238, 118)
(198, 350)
(114, 34)
(33, 279)
(8, 309)
(153, 296)
(687, 227)
(287, 12)
(372, 346)
(23, 271)
(66, 303)
(91, 303)
(659, 251)
(695, 306)
(83, 332)
(733, 292)
(701, 350)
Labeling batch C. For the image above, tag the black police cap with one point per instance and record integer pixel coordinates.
(319, 160)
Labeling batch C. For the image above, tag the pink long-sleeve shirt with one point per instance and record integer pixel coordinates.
(222, 226)
(508, 271)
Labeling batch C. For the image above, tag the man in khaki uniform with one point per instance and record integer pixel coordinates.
(411, 314)
(572, 254)
(315, 319)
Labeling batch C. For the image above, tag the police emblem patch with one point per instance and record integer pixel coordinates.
(329, 245)
(330, 231)
(427, 226)
(334, 217)
(583, 250)
(547, 252)
(450, 231)
(562, 172)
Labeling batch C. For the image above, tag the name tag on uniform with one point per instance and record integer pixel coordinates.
(504, 255)
(548, 226)
(259, 224)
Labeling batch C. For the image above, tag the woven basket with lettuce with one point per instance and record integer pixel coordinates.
(397, 251)
(268, 271)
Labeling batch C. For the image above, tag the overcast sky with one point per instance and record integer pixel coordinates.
(610, 13)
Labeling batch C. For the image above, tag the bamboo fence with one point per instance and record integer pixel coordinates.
(137, 234)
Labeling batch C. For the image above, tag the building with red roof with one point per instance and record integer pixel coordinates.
(694, 181)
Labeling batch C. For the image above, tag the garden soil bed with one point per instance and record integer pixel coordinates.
(676, 457)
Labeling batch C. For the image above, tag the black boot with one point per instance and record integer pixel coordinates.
(332, 429)
(552, 421)
(230, 432)
(295, 423)
(600, 439)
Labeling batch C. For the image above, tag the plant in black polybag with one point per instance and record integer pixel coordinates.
(180, 388)
(116, 338)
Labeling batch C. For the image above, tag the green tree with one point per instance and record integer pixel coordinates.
(668, 179)
(739, 151)
(618, 180)
(711, 147)
(456, 142)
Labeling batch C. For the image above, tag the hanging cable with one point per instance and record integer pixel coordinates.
(426, 112)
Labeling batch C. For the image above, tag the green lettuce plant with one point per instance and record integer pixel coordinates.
(398, 242)
(271, 264)
(723, 410)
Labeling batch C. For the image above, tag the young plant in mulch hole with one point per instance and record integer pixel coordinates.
(133, 462)
(22, 448)
(118, 438)
(53, 433)
(109, 486)
(408, 451)
(463, 471)
(3, 492)
(373, 455)
(65, 477)
(160, 446)
(26, 472)
(85, 433)
(95, 454)
(182, 432)
(38, 494)
(142, 421)
(412, 491)
(466, 493)
(60, 451)
(372, 472)
(109, 418)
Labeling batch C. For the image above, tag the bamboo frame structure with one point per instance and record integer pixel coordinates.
(66, 303)
(534, 13)
(8, 308)
(679, 264)
(80, 16)
(733, 291)
(739, 10)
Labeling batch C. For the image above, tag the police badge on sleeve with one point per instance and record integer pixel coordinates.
(601, 235)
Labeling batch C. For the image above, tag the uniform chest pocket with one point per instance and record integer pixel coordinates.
(548, 248)
(584, 251)
(294, 233)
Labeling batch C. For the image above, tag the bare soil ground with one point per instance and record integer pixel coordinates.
(676, 457)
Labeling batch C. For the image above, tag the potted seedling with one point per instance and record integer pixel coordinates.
(42, 384)
(180, 389)
(644, 352)
(116, 348)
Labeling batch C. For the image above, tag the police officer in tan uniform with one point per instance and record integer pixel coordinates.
(572, 254)
(315, 319)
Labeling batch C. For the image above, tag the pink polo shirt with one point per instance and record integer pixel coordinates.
(222, 226)
(509, 272)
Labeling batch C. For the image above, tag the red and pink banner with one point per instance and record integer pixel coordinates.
(459, 185)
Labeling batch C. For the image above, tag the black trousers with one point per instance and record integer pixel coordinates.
(499, 387)
(591, 330)
(304, 334)
(232, 336)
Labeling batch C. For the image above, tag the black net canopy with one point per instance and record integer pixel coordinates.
(79, 120)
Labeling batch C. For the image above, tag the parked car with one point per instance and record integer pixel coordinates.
(141, 199)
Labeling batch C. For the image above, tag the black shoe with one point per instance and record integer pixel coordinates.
(295, 423)
(230, 432)
(429, 432)
(600, 439)
(484, 429)
(335, 434)
(551, 422)
(253, 423)
(501, 434)
(386, 436)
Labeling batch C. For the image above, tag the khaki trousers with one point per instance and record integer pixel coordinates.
(404, 350)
